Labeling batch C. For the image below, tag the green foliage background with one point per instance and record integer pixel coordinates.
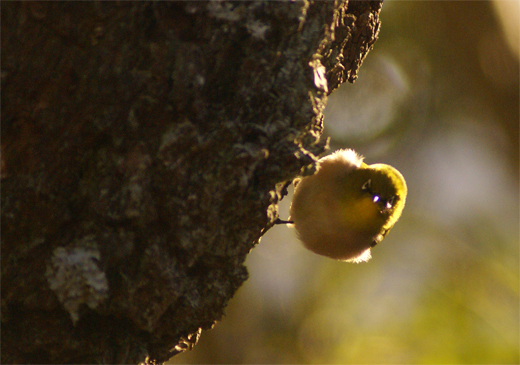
(438, 98)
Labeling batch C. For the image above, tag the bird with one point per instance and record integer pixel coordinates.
(347, 207)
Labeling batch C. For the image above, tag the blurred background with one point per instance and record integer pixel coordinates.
(438, 98)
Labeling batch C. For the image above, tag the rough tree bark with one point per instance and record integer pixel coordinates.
(145, 147)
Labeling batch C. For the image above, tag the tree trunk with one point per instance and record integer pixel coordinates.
(145, 148)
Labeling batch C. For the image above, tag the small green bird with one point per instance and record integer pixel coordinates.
(347, 207)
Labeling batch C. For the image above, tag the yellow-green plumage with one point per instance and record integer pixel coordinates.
(347, 207)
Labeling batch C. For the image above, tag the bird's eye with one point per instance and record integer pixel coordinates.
(367, 185)
(375, 198)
